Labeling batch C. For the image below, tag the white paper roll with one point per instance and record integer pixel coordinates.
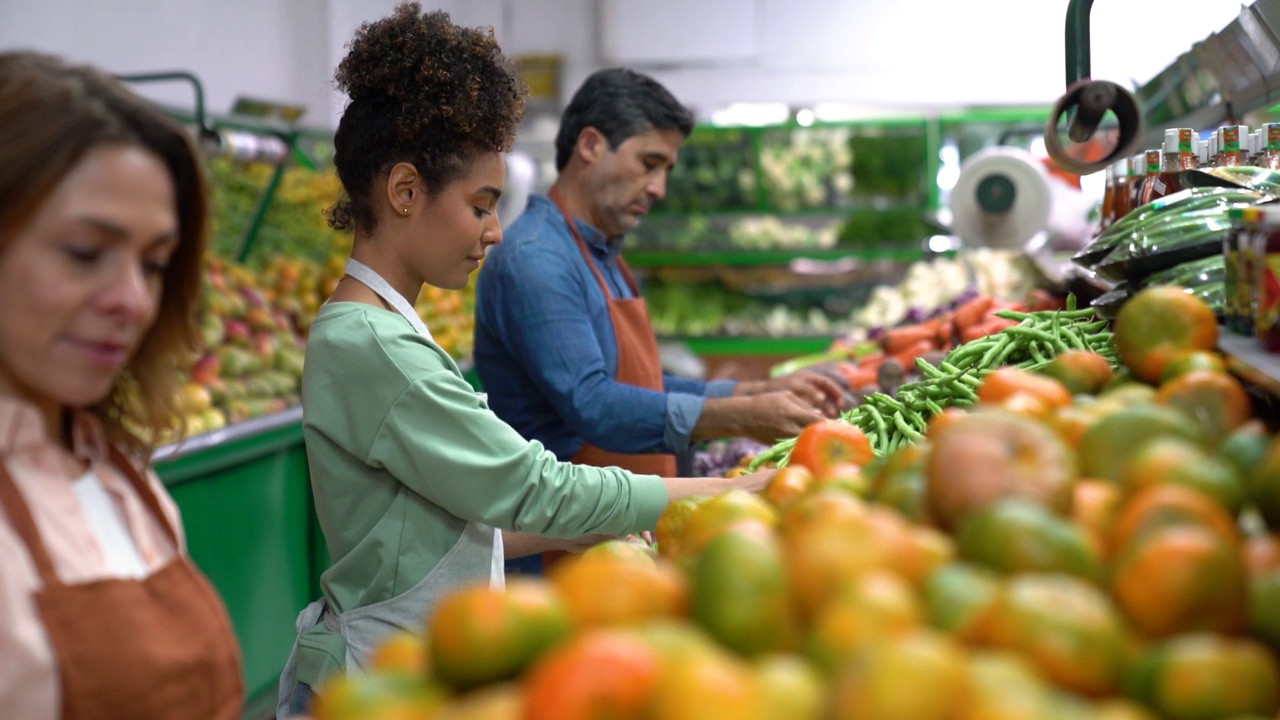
(1027, 216)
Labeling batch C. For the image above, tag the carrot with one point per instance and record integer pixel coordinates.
(970, 312)
(919, 349)
(990, 325)
(873, 362)
(943, 328)
(899, 339)
(857, 377)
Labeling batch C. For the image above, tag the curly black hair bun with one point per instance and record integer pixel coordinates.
(422, 90)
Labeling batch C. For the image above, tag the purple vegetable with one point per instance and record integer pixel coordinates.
(916, 315)
(875, 333)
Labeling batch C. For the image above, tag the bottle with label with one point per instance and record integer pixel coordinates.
(1232, 145)
(1231, 266)
(1126, 174)
(1152, 176)
(1108, 199)
(1178, 154)
(1271, 159)
(1266, 287)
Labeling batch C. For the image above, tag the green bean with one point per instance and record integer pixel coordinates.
(877, 419)
(929, 371)
(996, 349)
(890, 402)
(905, 429)
(1004, 355)
(1037, 355)
(1030, 332)
(1074, 339)
(934, 408)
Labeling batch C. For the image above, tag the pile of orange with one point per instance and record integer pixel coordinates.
(1078, 545)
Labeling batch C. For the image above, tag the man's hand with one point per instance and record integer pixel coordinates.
(816, 389)
(772, 416)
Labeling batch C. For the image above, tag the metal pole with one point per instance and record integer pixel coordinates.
(184, 76)
(1078, 40)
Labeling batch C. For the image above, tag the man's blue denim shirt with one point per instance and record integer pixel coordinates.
(545, 351)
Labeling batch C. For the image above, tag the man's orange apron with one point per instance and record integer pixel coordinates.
(638, 364)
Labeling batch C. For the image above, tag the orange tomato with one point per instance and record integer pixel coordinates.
(1080, 371)
(828, 443)
(788, 484)
(479, 635)
(1158, 324)
(599, 675)
(1004, 383)
(1181, 578)
(1215, 400)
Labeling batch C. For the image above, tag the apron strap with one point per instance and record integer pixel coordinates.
(370, 278)
(144, 490)
(558, 199)
(25, 526)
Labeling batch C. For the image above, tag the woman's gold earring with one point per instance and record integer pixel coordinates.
(406, 211)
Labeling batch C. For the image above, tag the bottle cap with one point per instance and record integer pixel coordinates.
(1170, 144)
(1153, 160)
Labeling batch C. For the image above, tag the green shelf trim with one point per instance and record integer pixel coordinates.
(222, 456)
(707, 345)
(832, 213)
(996, 115)
(667, 258)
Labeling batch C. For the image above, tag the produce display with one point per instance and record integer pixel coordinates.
(807, 168)
(706, 233)
(715, 172)
(999, 338)
(930, 286)
(1176, 240)
(255, 316)
(711, 309)
(1073, 545)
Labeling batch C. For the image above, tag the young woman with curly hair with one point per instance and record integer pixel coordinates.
(102, 232)
(419, 488)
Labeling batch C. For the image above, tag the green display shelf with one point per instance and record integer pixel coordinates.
(748, 346)
(669, 258)
(244, 493)
(245, 500)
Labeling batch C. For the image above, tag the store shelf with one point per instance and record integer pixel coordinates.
(836, 212)
(244, 494)
(670, 258)
(1247, 359)
(752, 345)
(229, 434)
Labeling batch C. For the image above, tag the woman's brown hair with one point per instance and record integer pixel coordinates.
(51, 115)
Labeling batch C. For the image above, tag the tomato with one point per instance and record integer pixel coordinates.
(828, 443)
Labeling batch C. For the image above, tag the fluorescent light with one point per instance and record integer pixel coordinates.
(752, 114)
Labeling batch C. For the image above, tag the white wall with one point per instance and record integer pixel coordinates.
(909, 55)
(926, 53)
(272, 49)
